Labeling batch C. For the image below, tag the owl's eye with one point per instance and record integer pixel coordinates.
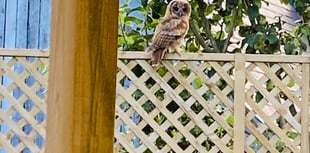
(184, 9)
(175, 8)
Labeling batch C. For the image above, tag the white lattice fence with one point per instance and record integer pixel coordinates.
(212, 103)
(23, 96)
(192, 103)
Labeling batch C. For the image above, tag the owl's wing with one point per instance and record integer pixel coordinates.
(162, 40)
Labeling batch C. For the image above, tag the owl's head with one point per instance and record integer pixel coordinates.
(178, 9)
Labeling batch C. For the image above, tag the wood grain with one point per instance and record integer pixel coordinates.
(82, 76)
(239, 108)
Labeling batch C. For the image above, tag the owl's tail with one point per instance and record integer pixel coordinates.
(157, 56)
(151, 49)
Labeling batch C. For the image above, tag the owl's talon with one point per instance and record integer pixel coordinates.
(177, 51)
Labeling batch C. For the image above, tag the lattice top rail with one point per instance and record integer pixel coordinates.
(220, 57)
(44, 53)
(41, 53)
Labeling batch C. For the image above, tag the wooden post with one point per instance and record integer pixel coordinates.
(80, 115)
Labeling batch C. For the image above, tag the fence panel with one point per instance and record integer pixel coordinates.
(23, 128)
(212, 103)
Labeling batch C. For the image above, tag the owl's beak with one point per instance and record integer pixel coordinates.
(180, 13)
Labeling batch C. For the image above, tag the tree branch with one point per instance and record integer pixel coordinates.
(206, 24)
(199, 38)
(231, 30)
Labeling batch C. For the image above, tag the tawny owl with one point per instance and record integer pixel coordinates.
(170, 32)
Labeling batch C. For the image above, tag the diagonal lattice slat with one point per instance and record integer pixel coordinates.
(187, 104)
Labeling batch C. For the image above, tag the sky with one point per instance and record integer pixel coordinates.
(133, 4)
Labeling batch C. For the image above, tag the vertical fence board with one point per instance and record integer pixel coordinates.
(10, 24)
(239, 104)
(2, 22)
(21, 28)
(45, 22)
(33, 24)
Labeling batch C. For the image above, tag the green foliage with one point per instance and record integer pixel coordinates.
(280, 146)
(148, 106)
(303, 27)
(291, 83)
(230, 120)
(196, 131)
(43, 68)
(292, 134)
(212, 24)
(160, 118)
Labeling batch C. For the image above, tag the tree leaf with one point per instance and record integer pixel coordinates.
(305, 30)
(291, 83)
(253, 12)
(192, 47)
(250, 40)
(258, 97)
(133, 19)
(144, 3)
(259, 41)
(289, 48)
(230, 120)
(162, 71)
(269, 85)
(284, 1)
(197, 83)
(272, 38)
(139, 9)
